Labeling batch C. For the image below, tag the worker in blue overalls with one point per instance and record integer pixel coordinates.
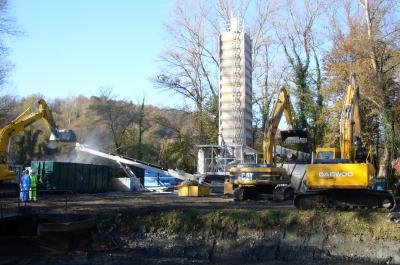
(24, 186)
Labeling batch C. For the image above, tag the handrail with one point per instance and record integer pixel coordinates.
(21, 204)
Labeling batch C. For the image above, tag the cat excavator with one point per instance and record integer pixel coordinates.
(26, 118)
(248, 181)
(344, 178)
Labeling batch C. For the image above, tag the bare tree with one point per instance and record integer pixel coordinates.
(189, 58)
(117, 115)
(142, 126)
(296, 31)
(8, 28)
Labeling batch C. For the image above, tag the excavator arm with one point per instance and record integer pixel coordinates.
(25, 119)
(281, 106)
(350, 124)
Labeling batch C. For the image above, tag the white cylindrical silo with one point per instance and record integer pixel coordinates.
(235, 95)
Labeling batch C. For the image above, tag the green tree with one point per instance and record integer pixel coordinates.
(367, 44)
(27, 147)
(297, 38)
(177, 151)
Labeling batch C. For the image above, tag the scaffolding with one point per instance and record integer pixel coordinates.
(238, 137)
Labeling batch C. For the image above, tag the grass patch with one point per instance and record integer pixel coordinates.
(370, 225)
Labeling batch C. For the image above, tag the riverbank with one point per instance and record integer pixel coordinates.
(248, 236)
(146, 228)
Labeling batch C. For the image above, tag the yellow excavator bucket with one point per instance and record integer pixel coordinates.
(63, 136)
(294, 136)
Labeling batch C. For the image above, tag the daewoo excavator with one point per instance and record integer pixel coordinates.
(25, 119)
(343, 179)
(248, 181)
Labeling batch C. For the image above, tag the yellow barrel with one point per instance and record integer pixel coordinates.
(194, 191)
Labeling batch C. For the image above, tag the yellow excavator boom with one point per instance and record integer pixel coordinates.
(282, 105)
(25, 119)
(350, 128)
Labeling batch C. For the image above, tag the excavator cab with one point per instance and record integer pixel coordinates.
(294, 136)
(327, 153)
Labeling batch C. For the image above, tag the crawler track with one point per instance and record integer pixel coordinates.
(346, 199)
(275, 192)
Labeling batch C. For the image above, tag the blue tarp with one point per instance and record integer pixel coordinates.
(152, 179)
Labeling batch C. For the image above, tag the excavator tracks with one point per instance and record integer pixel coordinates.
(277, 193)
(343, 199)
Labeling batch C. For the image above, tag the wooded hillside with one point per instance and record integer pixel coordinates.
(310, 46)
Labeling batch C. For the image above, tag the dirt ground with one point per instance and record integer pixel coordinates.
(91, 203)
(146, 201)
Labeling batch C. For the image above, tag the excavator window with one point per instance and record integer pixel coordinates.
(325, 155)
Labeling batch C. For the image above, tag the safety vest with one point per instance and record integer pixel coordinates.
(33, 180)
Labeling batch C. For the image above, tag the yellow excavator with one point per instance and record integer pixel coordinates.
(29, 116)
(248, 181)
(342, 178)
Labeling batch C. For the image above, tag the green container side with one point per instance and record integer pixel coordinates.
(101, 179)
(94, 178)
(58, 177)
(99, 175)
(108, 178)
(35, 167)
(80, 181)
(90, 179)
(48, 175)
(78, 178)
(72, 176)
(47, 169)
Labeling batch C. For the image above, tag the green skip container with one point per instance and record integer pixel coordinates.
(75, 177)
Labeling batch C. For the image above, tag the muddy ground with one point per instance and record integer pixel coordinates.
(132, 200)
(78, 203)
(162, 228)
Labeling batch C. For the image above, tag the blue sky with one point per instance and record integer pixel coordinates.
(74, 47)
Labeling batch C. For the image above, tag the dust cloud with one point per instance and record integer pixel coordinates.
(94, 140)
